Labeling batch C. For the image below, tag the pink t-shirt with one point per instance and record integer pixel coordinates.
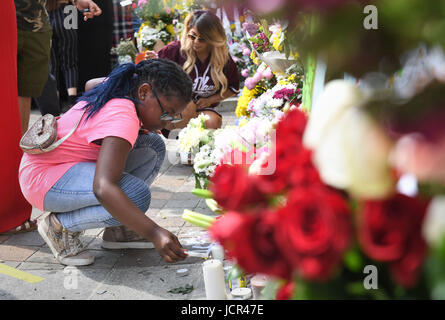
(38, 173)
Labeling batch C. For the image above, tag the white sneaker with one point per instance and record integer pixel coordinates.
(65, 246)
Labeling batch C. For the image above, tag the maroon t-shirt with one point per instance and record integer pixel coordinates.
(203, 85)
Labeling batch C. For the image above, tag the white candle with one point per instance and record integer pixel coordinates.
(218, 252)
(258, 282)
(214, 280)
(241, 293)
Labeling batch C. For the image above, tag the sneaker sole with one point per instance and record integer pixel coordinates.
(72, 261)
(126, 245)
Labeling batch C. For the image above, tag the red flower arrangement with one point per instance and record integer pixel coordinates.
(291, 225)
(306, 236)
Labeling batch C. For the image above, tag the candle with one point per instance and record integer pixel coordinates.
(258, 282)
(218, 252)
(215, 286)
(196, 254)
(241, 293)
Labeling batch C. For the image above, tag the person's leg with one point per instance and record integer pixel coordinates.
(90, 84)
(73, 202)
(144, 162)
(75, 208)
(32, 69)
(67, 54)
(48, 102)
(146, 157)
(25, 112)
(215, 121)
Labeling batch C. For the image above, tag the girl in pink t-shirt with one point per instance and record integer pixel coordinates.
(100, 176)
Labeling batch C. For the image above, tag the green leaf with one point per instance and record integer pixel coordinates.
(356, 288)
(213, 205)
(270, 290)
(353, 260)
(234, 273)
(438, 291)
(202, 193)
(182, 290)
(197, 183)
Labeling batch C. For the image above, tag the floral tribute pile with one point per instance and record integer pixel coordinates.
(161, 23)
(292, 226)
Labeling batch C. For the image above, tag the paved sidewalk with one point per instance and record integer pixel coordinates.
(116, 274)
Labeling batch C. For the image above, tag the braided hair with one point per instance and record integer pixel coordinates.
(166, 78)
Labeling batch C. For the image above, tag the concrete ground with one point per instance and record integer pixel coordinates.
(117, 274)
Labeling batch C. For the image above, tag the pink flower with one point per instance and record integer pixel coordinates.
(268, 74)
(245, 73)
(142, 2)
(246, 52)
(257, 77)
(249, 83)
(266, 6)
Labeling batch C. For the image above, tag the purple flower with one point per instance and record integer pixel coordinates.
(251, 28)
(246, 52)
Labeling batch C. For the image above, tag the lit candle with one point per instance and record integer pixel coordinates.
(214, 280)
(258, 282)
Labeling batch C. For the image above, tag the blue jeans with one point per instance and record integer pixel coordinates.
(74, 202)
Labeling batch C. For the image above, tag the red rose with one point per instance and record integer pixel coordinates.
(234, 189)
(294, 165)
(250, 240)
(314, 230)
(391, 231)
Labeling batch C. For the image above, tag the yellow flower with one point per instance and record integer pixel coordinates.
(170, 29)
(295, 55)
(276, 41)
(243, 101)
(145, 24)
(252, 55)
(243, 122)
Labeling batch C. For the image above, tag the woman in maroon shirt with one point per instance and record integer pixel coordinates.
(204, 55)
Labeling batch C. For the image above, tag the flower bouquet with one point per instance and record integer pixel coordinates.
(158, 27)
(125, 51)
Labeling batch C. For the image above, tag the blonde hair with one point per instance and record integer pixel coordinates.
(211, 30)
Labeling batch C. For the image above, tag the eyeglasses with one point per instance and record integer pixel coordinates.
(193, 37)
(165, 115)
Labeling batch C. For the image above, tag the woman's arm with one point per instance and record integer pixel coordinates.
(109, 168)
(216, 98)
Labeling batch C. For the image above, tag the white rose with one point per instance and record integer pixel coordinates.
(434, 224)
(350, 150)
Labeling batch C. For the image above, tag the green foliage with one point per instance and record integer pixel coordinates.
(182, 290)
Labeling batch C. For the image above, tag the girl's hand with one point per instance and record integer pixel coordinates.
(167, 245)
(204, 103)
